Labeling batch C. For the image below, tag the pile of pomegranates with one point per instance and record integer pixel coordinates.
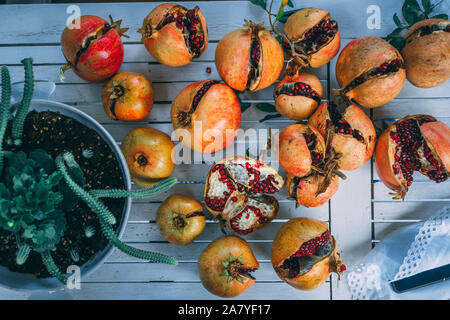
(414, 143)
(249, 58)
(370, 72)
(427, 53)
(304, 254)
(175, 35)
(314, 38)
(94, 51)
(206, 116)
(238, 192)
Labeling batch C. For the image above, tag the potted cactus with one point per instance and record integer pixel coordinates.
(64, 191)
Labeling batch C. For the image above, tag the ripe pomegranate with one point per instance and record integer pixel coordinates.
(308, 191)
(225, 266)
(94, 51)
(370, 72)
(414, 143)
(235, 192)
(297, 96)
(351, 134)
(314, 37)
(180, 219)
(148, 153)
(427, 53)
(304, 254)
(249, 58)
(175, 35)
(210, 114)
(300, 148)
(128, 96)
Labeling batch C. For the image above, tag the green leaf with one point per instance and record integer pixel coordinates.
(440, 16)
(397, 42)
(280, 12)
(231, 258)
(224, 273)
(225, 263)
(270, 116)
(260, 3)
(230, 278)
(239, 279)
(397, 21)
(426, 4)
(286, 15)
(290, 3)
(266, 107)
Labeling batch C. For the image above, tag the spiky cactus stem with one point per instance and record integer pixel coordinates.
(52, 268)
(17, 128)
(4, 111)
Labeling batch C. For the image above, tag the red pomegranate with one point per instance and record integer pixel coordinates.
(314, 37)
(297, 96)
(427, 53)
(300, 148)
(414, 143)
(94, 51)
(370, 72)
(238, 192)
(206, 116)
(304, 254)
(351, 133)
(175, 35)
(311, 190)
(249, 58)
(128, 96)
(225, 266)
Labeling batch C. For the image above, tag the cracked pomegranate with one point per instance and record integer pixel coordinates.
(370, 72)
(180, 219)
(297, 96)
(315, 37)
(300, 147)
(351, 133)
(128, 96)
(206, 116)
(175, 35)
(427, 53)
(148, 153)
(237, 192)
(225, 266)
(304, 253)
(306, 191)
(94, 50)
(414, 143)
(250, 58)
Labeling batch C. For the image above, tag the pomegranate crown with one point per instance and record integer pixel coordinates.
(255, 28)
(116, 26)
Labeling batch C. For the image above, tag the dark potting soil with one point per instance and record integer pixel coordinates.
(56, 133)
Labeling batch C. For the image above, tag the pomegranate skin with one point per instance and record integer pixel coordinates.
(438, 134)
(232, 58)
(168, 45)
(210, 266)
(298, 107)
(362, 55)
(306, 191)
(294, 155)
(290, 238)
(427, 58)
(102, 58)
(354, 153)
(218, 112)
(303, 20)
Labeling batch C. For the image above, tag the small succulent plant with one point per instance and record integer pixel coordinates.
(36, 191)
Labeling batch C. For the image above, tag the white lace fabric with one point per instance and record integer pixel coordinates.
(370, 279)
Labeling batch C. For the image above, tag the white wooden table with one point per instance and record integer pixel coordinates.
(360, 214)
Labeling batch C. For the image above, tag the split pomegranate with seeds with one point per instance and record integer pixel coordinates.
(370, 72)
(297, 96)
(304, 254)
(175, 35)
(238, 192)
(180, 219)
(249, 58)
(148, 153)
(128, 96)
(206, 116)
(427, 53)
(226, 265)
(314, 37)
(94, 50)
(351, 134)
(414, 143)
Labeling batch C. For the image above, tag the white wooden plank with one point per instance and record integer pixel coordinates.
(400, 210)
(419, 190)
